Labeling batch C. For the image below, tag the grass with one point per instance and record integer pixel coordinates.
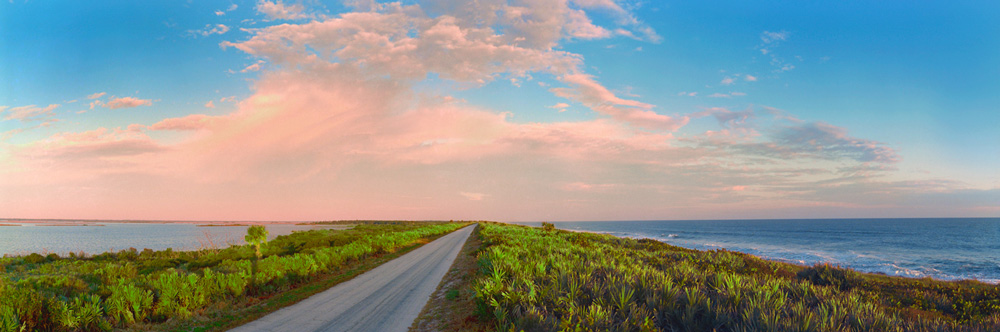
(542, 279)
(195, 290)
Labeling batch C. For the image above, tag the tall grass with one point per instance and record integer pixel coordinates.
(547, 280)
(123, 289)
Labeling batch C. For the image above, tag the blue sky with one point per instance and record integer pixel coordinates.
(917, 78)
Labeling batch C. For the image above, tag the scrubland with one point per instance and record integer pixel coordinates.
(208, 289)
(542, 279)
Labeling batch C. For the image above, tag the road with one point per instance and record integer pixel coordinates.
(384, 299)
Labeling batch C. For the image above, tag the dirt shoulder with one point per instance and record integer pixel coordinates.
(452, 306)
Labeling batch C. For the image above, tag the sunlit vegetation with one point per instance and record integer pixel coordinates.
(131, 287)
(536, 279)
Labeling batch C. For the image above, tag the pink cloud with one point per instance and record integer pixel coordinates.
(190, 122)
(473, 196)
(588, 187)
(127, 102)
(96, 95)
(580, 26)
(602, 100)
(27, 113)
(279, 11)
(353, 139)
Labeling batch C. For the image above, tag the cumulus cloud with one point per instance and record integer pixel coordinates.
(126, 102)
(624, 18)
(279, 11)
(335, 119)
(454, 47)
(210, 104)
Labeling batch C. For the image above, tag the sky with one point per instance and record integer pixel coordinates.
(499, 110)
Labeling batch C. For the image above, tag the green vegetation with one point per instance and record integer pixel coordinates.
(132, 289)
(536, 279)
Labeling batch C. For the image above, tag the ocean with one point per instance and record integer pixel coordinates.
(98, 237)
(940, 248)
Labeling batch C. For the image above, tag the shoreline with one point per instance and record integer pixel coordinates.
(798, 262)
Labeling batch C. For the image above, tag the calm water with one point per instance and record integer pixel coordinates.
(33, 237)
(940, 248)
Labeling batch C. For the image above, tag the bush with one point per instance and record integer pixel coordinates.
(34, 258)
(827, 275)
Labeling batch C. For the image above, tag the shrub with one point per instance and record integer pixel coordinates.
(34, 258)
(827, 275)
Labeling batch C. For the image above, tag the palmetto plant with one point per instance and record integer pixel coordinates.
(544, 280)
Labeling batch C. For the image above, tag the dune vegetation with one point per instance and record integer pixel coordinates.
(543, 279)
(140, 290)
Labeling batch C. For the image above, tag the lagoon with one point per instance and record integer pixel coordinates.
(46, 237)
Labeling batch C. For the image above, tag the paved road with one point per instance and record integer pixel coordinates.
(385, 299)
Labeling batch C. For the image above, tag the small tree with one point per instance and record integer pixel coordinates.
(549, 227)
(256, 236)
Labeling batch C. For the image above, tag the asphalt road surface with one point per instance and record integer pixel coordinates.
(385, 299)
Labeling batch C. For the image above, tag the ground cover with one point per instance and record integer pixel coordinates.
(542, 279)
(157, 290)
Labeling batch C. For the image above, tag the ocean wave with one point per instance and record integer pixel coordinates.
(856, 261)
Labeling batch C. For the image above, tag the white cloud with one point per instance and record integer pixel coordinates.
(209, 30)
(219, 13)
(750, 78)
(727, 81)
(770, 37)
